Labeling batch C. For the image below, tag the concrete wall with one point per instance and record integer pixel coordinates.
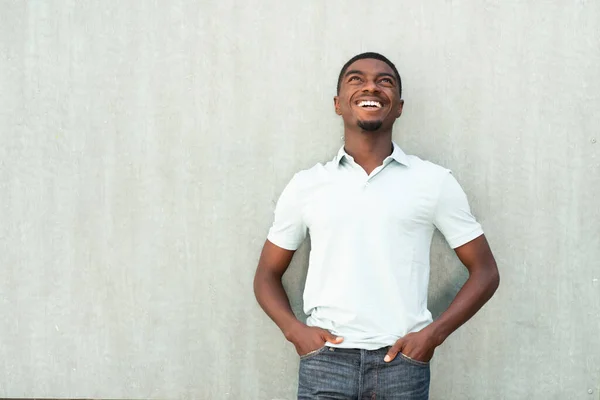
(144, 144)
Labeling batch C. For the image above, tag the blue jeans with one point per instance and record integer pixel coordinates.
(355, 374)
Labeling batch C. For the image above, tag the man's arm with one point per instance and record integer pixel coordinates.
(271, 296)
(483, 281)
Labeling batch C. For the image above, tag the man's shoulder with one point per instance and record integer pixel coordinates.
(426, 167)
(318, 171)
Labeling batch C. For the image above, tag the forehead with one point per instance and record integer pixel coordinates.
(370, 66)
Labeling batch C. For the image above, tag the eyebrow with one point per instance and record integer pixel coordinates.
(352, 72)
(386, 74)
(355, 71)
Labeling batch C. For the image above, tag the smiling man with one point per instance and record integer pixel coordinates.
(371, 213)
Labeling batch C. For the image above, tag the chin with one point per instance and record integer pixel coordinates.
(370, 126)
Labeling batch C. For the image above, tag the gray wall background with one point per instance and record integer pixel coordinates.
(144, 144)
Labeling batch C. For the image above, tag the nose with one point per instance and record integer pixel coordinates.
(370, 86)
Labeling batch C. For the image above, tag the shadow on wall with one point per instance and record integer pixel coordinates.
(294, 279)
(447, 276)
(445, 291)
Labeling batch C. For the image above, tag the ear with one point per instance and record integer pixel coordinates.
(399, 109)
(336, 104)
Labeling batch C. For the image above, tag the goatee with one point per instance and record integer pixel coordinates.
(370, 126)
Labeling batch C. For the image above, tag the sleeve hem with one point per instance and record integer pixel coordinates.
(458, 241)
(286, 245)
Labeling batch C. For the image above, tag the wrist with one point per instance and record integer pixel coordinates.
(437, 333)
(289, 330)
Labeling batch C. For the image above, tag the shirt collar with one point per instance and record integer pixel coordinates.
(397, 154)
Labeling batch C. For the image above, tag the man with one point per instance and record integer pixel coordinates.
(371, 213)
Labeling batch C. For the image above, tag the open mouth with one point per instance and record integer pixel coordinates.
(369, 104)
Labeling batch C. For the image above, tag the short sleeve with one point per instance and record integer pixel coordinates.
(288, 230)
(453, 216)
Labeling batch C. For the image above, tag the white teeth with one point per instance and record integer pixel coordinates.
(369, 103)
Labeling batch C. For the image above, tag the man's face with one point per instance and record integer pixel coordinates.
(369, 96)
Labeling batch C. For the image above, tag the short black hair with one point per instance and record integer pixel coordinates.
(372, 55)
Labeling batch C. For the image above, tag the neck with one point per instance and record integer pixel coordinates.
(368, 149)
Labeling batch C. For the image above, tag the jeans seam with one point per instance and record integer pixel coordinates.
(374, 394)
(360, 373)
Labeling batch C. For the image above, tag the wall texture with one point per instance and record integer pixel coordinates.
(143, 146)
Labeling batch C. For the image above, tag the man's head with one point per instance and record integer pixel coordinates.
(369, 93)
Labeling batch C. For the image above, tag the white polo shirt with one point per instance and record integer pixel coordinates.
(368, 272)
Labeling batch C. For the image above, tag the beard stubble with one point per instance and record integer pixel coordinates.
(369, 126)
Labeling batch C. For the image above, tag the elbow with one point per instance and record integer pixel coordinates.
(258, 280)
(493, 279)
(263, 278)
(255, 285)
(487, 278)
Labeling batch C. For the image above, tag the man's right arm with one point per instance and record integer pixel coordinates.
(271, 296)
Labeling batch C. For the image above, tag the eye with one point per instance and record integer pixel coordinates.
(387, 80)
(354, 78)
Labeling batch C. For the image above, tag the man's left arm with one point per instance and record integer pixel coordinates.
(454, 219)
(477, 290)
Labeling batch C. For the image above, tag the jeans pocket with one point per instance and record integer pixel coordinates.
(312, 353)
(413, 361)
